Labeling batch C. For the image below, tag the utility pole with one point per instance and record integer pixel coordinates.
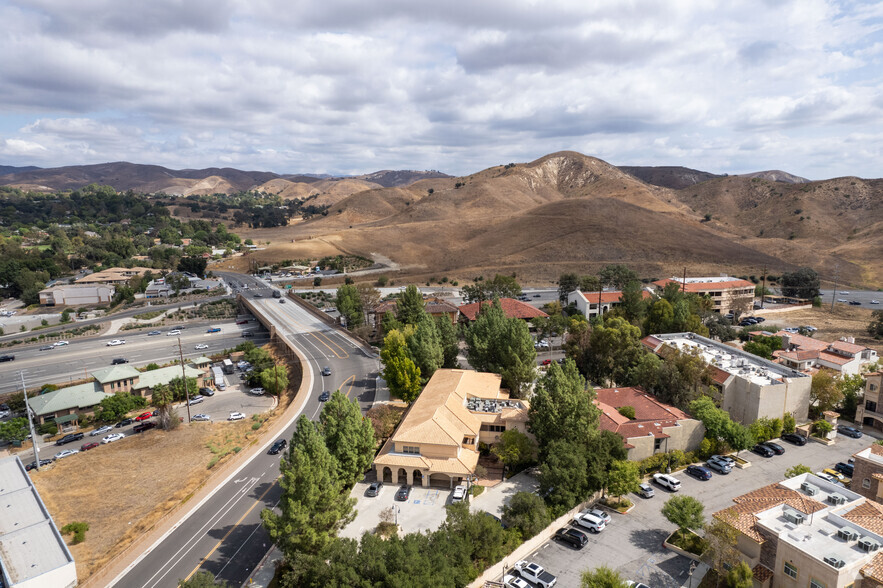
(763, 288)
(834, 293)
(30, 421)
(684, 283)
(184, 376)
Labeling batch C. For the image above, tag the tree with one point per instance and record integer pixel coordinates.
(425, 346)
(564, 479)
(115, 407)
(561, 408)
(567, 283)
(317, 281)
(449, 340)
(409, 307)
(740, 576)
(875, 327)
(803, 283)
(602, 577)
(526, 512)
(660, 317)
(788, 423)
(499, 287)
(627, 411)
(850, 388)
(824, 393)
(684, 511)
(275, 379)
(632, 305)
(193, 265)
(401, 375)
(515, 449)
(721, 538)
(182, 388)
(349, 437)
(164, 401)
(349, 305)
(369, 297)
(624, 477)
(15, 430)
(313, 506)
(739, 438)
(763, 346)
(503, 346)
(203, 579)
(618, 276)
(797, 470)
(614, 350)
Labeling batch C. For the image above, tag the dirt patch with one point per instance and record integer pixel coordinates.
(843, 321)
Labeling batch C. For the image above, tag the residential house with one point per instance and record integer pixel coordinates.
(656, 428)
(114, 275)
(436, 442)
(511, 307)
(870, 412)
(867, 477)
(748, 387)
(71, 295)
(435, 307)
(808, 354)
(729, 294)
(808, 532)
(587, 302)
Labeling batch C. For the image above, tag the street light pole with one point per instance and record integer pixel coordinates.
(30, 421)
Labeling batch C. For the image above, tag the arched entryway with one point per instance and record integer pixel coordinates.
(402, 476)
(418, 478)
(387, 475)
(440, 480)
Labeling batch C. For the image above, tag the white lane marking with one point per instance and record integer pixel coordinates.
(244, 543)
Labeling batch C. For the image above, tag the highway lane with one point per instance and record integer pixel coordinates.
(82, 356)
(223, 535)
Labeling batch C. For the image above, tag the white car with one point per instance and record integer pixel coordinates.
(112, 438)
(257, 391)
(590, 522)
(116, 342)
(597, 512)
(101, 431)
(66, 453)
(173, 333)
(61, 343)
(666, 481)
(845, 292)
(201, 346)
(196, 399)
(235, 416)
(459, 493)
(510, 581)
(200, 417)
(875, 302)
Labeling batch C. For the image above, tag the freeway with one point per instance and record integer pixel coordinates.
(223, 533)
(78, 359)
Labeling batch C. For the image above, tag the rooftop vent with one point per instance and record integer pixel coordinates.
(834, 562)
(847, 534)
(836, 498)
(792, 516)
(868, 544)
(810, 489)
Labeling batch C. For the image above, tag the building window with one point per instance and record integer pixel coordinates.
(411, 449)
(866, 483)
(657, 444)
(493, 428)
(871, 405)
(872, 387)
(813, 583)
(790, 570)
(468, 440)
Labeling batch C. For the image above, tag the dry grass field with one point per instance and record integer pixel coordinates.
(844, 321)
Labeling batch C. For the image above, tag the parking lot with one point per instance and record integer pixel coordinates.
(234, 399)
(632, 543)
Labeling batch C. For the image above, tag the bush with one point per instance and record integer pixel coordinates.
(764, 429)
(477, 489)
(821, 429)
(78, 529)
(627, 411)
(526, 512)
(788, 423)
(48, 428)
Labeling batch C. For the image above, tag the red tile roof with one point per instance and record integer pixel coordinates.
(695, 287)
(742, 515)
(846, 347)
(834, 358)
(651, 342)
(511, 307)
(651, 415)
(801, 342)
(611, 296)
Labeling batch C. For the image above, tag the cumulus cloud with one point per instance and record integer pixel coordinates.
(345, 86)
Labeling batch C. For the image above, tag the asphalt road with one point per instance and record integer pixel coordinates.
(223, 535)
(863, 296)
(84, 355)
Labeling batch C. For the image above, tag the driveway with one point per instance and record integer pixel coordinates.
(632, 543)
(423, 511)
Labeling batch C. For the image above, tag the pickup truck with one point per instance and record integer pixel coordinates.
(535, 573)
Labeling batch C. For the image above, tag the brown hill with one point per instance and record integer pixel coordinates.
(392, 178)
(11, 169)
(674, 177)
(326, 192)
(776, 175)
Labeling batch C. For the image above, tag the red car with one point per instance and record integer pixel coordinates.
(143, 416)
(546, 362)
(87, 446)
(242, 322)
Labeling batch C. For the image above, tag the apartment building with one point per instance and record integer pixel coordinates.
(870, 412)
(729, 294)
(805, 353)
(867, 477)
(588, 303)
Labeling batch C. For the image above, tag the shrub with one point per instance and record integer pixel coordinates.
(78, 529)
(821, 429)
(627, 411)
(477, 489)
(788, 423)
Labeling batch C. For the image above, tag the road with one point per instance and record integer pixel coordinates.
(223, 534)
(83, 355)
(863, 296)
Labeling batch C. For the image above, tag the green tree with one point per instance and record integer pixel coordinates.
(314, 505)
(739, 438)
(515, 449)
(740, 576)
(567, 283)
(618, 276)
(15, 429)
(803, 283)
(684, 511)
(788, 423)
(632, 305)
(602, 577)
(763, 346)
(349, 305)
(503, 346)
(824, 392)
(526, 512)
(499, 287)
(349, 437)
(627, 411)
(561, 408)
(164, 400)
(717, 422)
(850, 388)
(425, 346)
(401, 375)
(115, 407)
(275, 379)
(797, 470)
(450, 341)
(409, 307)
(564, 479)
(875, 327)
(624, 477)
(614, 350)
(202, 579)
(193, 265)
(721, 538)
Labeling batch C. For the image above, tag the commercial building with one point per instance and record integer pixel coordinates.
(75, 295)
(436, 443)
(587, 302)
(807, 532)
(870, 412)
(113, 275)
(656, 428)
(867, 477)
(748, 387)
(808, 354)
(33, 554)
(435, 307)
(729, 294)
(511, 307)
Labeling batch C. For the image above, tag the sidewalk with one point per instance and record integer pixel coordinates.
(265, 571)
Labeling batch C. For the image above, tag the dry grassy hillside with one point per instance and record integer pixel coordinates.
(327, 192)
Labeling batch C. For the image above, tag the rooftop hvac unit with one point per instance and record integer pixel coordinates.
(834, 562)
(810, 489)
(794, 517)
(868, 544)
(836, 498)
(847, 534)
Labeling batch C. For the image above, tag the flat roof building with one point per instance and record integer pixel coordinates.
(728, 294)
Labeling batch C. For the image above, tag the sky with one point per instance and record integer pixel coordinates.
(354, 86)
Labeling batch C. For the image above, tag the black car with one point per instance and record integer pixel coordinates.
(278, 446)
(849, 431)
(845, 468)
(855, 303)
(7, 357)
(374, 489)
(699, 472)
(119, 361)
(777, 449)
(124, 423)
(207, 392)
(69, 438)
(403, 493)
(324, 396)
(33, 464)
(576, 539)
(763, 450)
(794, 438)
(143, 426)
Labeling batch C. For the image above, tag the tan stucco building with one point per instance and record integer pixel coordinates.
(70, 295)
(436, 443)
(727, 294)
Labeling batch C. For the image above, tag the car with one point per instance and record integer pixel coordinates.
(589, 521)
(278, 446)
(66, 453)
(118, 361)
(235, 416)
(101, 431)
(152, 333)
(841, 300)
(546, 362)
(763, 450)
(845, 468)
(535, 573)
(258, 295)
(536, 295)
(257, 391)
(725, 459)
(154, 413)
(173, 333)
(201, 346)
(124, 423)
(69, 438)
(242, 322)
(836, 475)
(699, 472)
(855, 303)
(403, 493)
(61, 343)
(213, 330)
(207, 392)
(777, 449)
(459, 493)
(88, 446)
(875, 302)
(195, 400)
(326, 371)
(720, 466)
(633, 584)
(374, 489)
(667, 481)
(200, 417)
(116, 342)
(845, 292)
(112, 437)
(281, 301)
(141, 427)
(47, 348)
(829, 478)
(576, 539)
(794, 438)
(600, 514)
(849, 431)
(646, 491)
(33, 464)
(7, 358)
(809, 328)
(324, 396)
(759, 319)
(143, 416)
(510, 581)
